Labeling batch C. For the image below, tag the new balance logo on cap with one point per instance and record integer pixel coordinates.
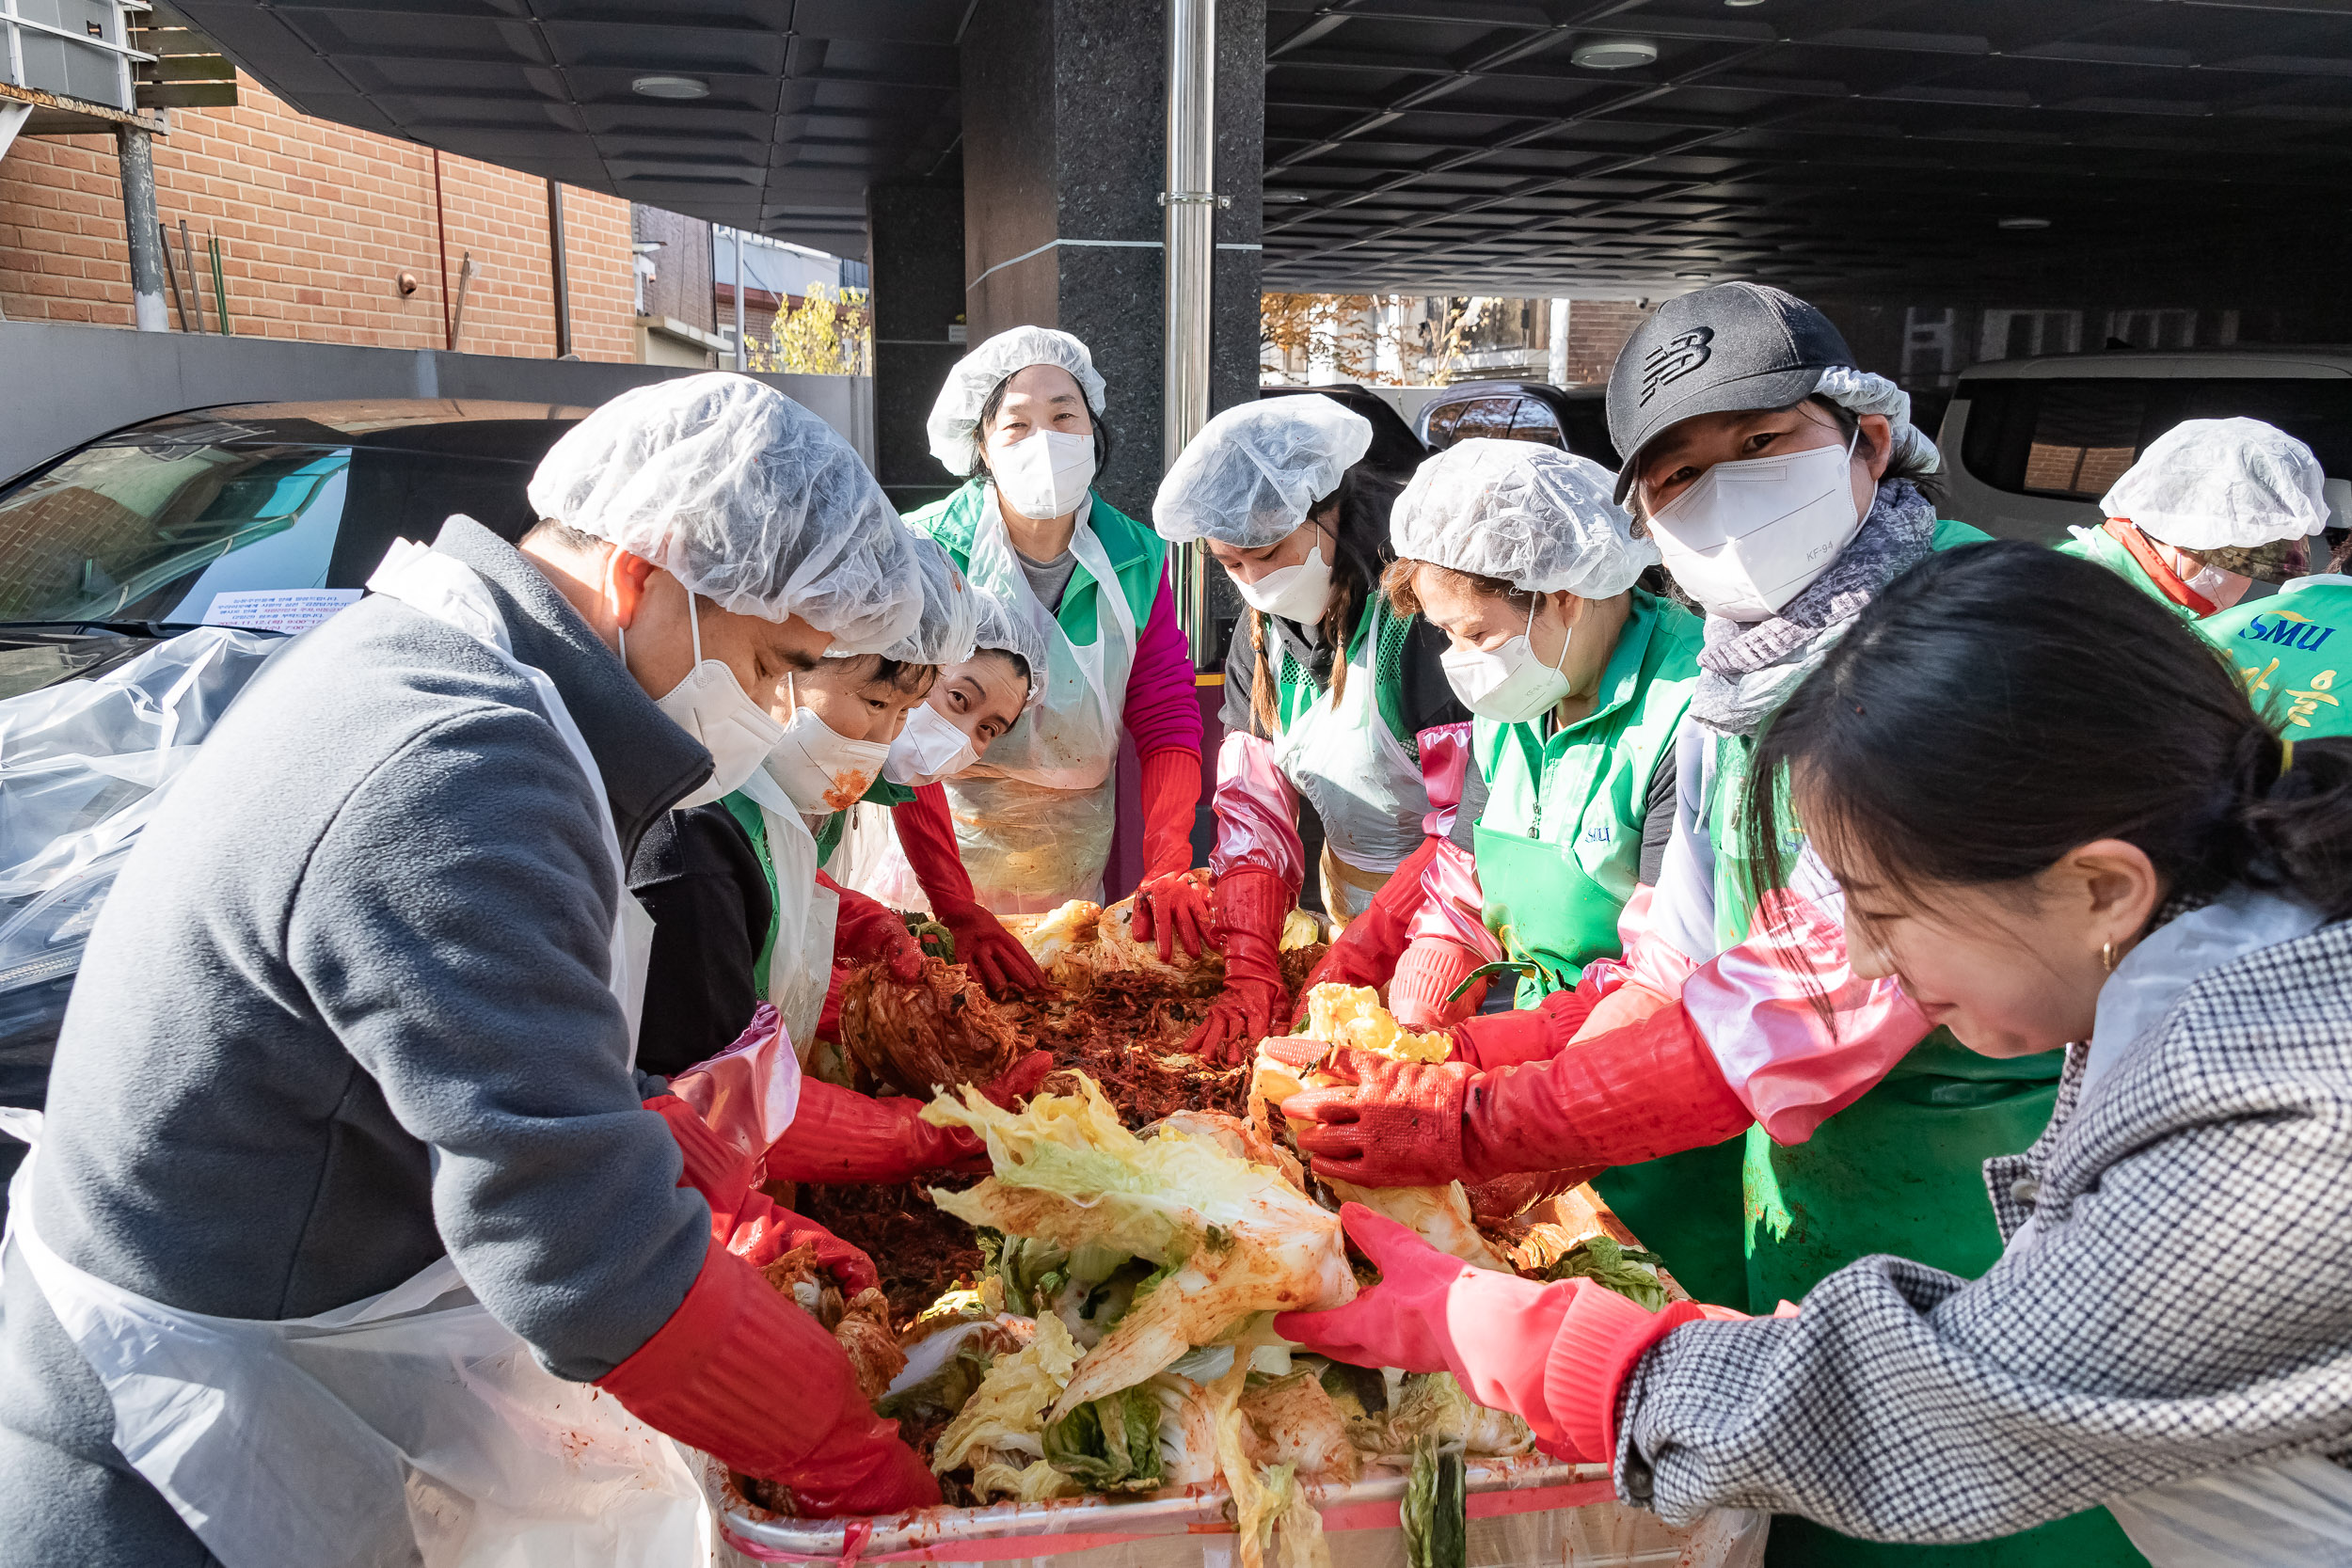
(1674, 359)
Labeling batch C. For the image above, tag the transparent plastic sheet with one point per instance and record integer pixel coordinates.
(1521, 1511)
(1032, 847)
(83, 768)
(869, 859)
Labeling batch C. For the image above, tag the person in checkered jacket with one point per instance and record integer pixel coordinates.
(2059, 820)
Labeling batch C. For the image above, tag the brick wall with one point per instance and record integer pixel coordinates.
(318, 222)
(1598, 328)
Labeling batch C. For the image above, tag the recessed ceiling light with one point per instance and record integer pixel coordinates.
(1741, 3)
(1700, 277)
(1283, 197)
(1614, 53)
(671, 87)
(2025, 223)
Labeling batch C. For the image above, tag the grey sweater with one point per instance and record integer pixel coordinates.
(345, 1010)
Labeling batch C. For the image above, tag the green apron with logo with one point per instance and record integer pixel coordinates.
(1559, 850)
(2101, 548)
(2283, 647)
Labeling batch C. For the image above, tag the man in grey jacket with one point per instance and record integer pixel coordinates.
(348, 1009)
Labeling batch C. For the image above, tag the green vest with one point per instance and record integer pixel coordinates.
(1296, 688)
(2101, 548)
(1136, 553)
(1902, 1170)
(746, 814)
(2282, 646)
(1559, 845)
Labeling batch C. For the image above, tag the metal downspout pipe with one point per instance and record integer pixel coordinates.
(1190, 249)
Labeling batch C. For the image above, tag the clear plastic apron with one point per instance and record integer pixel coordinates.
(800, 963)
(1362, 783)
(411, 1427)
(1034, 819)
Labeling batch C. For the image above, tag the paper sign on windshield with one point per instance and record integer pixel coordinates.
(286, 609)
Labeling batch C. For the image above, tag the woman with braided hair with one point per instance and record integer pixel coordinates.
(1329, 693)
(2142, 875)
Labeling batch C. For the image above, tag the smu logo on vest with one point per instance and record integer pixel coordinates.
(2288, 630)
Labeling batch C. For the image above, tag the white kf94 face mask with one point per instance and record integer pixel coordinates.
(1509, 684)
(711, 706)
(1044, 474)
(1748, 536)
(1301, 593)
(929, 749)
(817, 766)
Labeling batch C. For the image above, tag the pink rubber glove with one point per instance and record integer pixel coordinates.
(1421, 992)
(1555, 1356)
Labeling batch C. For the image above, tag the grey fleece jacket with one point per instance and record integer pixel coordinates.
(345, 1010)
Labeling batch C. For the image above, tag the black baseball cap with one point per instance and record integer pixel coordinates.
(1730, 347)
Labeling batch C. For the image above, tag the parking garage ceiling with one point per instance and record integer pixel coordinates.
(1830, 145)
(1452, 145)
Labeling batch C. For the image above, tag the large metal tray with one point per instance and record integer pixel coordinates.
(953, 1533)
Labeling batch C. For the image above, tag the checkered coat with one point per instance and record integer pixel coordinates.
(2186, 1305)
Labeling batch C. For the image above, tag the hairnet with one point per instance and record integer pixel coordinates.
(745, 498)
(950, 610)
(2206, 483)
(1253, 473)
(1535, 516)
(954, 426)
(1003, 625)
(1861, 393)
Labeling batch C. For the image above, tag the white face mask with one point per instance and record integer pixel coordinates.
(1299, 592)
(1748, 536)
(711, 706)
(1508, 684)
(1045, 474)
(817, 766)
(929, 749)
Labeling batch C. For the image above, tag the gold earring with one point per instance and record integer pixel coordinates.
(2107, 956)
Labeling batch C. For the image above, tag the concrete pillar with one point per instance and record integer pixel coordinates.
(1064, 157)
(135, 154)
(914, 240)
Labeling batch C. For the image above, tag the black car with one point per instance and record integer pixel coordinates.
(132, 539)
(1394, 447)
(1575, 420)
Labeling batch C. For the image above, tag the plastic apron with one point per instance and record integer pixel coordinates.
(409, 1427)
(797, 966)
(1342, 756)
(1034, 818)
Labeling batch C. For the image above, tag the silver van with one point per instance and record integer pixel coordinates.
(2030, 446)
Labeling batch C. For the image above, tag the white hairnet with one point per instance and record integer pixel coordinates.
(2206, 483)
(1253, 473)
(954, 426)
(1005, 625)
(1535, 516)
(950, 610)
(1861, 393)
(745, 498)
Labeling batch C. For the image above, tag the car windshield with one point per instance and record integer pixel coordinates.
(135, 530)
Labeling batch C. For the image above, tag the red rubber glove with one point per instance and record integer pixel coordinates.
(1394, 1124)
(841, 1135)
(1171, 795)
(1175, 907)
(928, 835)
(1367, 951)
(1617, 1098)
(1420, 994)
(1556, 1355)
(744, 1220)
(1250, 907)
(870, 932)
(742, 1374)
(1492, 1040)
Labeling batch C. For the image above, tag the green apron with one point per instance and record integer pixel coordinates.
(1899, 1171)
(1559, 850)
(2101, 548)
(828, 834)
(2282, 647)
